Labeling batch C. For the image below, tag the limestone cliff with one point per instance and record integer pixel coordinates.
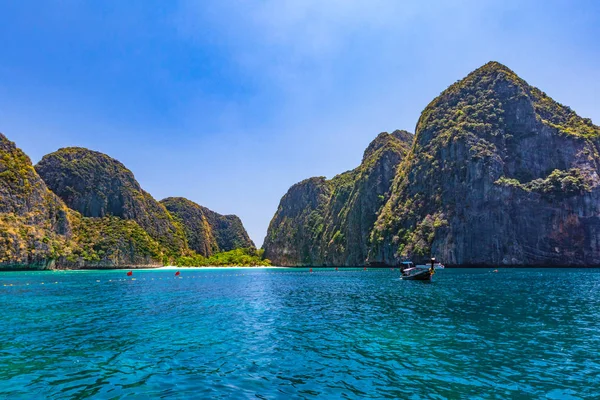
(500, 174)
(111, 242)
(34, 227)
(97, 185)
(208, 232)
(112, 222)
(229, 231)
(328, 222)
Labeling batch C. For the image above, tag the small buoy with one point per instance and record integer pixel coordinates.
(129, 273)
(177, 273)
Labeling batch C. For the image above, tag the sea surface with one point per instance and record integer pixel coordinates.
(293, 334)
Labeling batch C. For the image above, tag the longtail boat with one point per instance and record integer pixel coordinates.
(412, 272)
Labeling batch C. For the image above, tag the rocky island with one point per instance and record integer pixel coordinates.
(498, 173)
(79, 208)
(328, 222)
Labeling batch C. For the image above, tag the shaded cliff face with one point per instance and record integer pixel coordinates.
(208, 232)
(199, 232)
(328, 222)
(500, 174)
(229, 231)
(97, 185)
(293, 235)
(34, 226)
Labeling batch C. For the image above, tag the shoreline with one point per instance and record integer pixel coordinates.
(173, 267)
(215, 267)
(129, 268)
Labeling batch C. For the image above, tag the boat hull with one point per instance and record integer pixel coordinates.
(419, 276)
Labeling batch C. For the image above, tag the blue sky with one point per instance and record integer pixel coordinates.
(230, 102)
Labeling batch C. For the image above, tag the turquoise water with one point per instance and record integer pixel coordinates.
(264, 333)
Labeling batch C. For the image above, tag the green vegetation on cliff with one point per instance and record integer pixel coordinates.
(498, 173)
(559, 184)
(112, 241)
(97, 185)
(208, 232)
(483, 149)
(24, 244)
(485, 103)
(192, 217)
(229, 231)
(327, 222)
(34, 228)
(113, 223)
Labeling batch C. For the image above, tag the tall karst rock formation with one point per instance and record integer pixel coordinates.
(500, 174)
(328, 222)
(97, 185)
(208, 232)
(79, 208)
(34, 226)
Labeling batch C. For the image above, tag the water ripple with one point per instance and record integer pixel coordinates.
(292, 334)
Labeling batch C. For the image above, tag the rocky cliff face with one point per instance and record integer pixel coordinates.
(229, 231)
(500, 174)
(111, 242)
(208, 232)
(113, 223)
(328, 222)
(34, 227)
(38, 231)
(97, 185)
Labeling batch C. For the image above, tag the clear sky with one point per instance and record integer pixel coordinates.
(230, 102)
